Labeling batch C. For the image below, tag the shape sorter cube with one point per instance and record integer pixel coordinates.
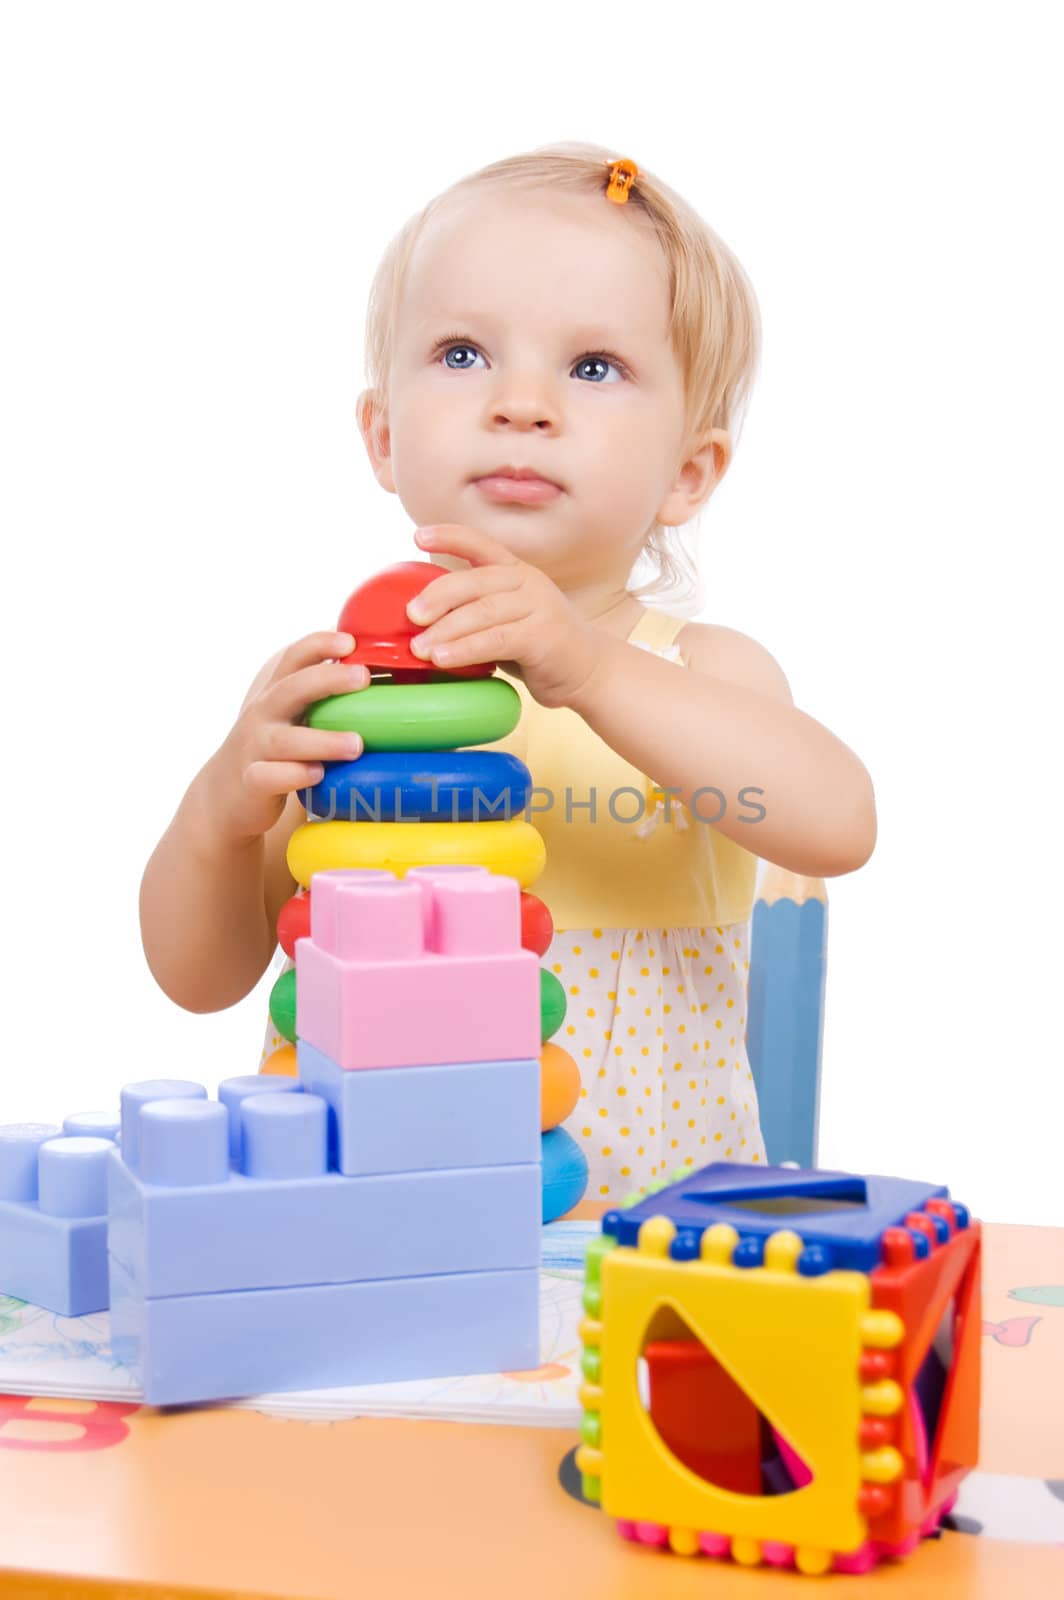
(810, 1346)
(53, 1218)
(423, 970)
(239, 1262)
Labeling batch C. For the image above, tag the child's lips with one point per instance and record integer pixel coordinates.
(519, 491)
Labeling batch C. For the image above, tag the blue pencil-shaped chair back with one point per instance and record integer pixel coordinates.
(785, 1014)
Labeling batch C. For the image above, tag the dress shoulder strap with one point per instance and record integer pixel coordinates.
(658, 629)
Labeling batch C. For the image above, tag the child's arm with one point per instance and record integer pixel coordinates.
(217, 879)
(724, 724)
(727, 723)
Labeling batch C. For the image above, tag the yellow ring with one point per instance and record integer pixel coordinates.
(514, 847)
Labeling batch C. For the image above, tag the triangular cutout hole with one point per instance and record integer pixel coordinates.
(707, 1420)
(930, 1396)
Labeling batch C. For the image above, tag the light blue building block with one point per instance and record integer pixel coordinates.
(416, 1119)
(53, 1219)
(224, 1346)
(242, 1263)
(187, 1222)
(254, 1233)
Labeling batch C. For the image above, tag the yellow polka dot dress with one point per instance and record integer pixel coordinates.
(656, 1022)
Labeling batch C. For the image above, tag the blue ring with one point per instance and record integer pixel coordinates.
(565, 1173)
(421, 786)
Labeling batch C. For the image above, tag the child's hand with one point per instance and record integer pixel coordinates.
(502, 609)
(268, 755)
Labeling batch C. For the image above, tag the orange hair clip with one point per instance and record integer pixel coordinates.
(622, 176)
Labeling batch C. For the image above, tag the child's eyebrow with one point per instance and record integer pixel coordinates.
(586, 335)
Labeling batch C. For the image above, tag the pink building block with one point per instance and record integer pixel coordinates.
(417, 971)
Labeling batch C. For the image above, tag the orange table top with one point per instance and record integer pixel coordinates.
(108, 1499)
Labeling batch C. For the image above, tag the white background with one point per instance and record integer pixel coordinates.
(194, 198)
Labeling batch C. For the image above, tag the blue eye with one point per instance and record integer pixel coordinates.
(459, 366)
(598, 361)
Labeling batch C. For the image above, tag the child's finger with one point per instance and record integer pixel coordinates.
(285, 741)
(456, 588)
(281, 777)
(488, 620)
(470, 543)
(289, 697)
(314, 648)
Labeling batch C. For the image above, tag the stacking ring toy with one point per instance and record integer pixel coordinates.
(375, 616)
(559, 1086)
(284, 1063)
(422, 716)
(564, 1173)
(537, 924)
(552, 1005)
(283, 1005)
(409, 786)
(513, 848)
(293, 922)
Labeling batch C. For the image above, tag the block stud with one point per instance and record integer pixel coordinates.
(718, 1244)
(874, 1432)
(884, 1399)
(20, 1144)
(746, 1552)
(590, 1397)
(72, 1176)
(875, 1364)
(882, 1466)
(184, 1143)
(782, 1250)
(469, 910)
(812, 1562)
(882, 1330)
(135, 1096)
(943, 1209)
(656, 1235)
(284, 1136)
(873, 1500)
(356, 917)
(897, 1246)
(232, 1092)
(92, 1125)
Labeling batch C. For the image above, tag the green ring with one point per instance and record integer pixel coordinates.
(422, 716)
(283, 1005)
(552, 1004)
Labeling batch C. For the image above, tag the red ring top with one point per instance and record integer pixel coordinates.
(375, 615)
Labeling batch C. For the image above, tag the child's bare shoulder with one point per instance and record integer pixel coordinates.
(725, 653)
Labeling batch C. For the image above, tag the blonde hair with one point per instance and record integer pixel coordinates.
(714, 324)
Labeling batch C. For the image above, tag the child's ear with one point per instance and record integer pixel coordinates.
(373, 426)
(697, 478)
